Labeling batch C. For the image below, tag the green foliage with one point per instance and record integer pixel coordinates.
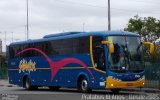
(135, 25)
(3, 67)
(144, 26)
(3, 61)
(157, 52)
(152, 58)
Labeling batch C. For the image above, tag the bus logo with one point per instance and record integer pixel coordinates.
(27, 66)
(55, 66)
(137, 76)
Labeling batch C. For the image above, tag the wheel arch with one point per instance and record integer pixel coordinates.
(80, 77)
(24, 79)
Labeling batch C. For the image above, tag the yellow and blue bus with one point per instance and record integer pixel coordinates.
(84, 60)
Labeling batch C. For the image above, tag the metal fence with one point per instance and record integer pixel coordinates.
(152, 69)
(152, 75)
(3, 71)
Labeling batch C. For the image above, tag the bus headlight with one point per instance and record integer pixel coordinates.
(112, 85)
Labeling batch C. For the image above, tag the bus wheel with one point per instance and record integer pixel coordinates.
(27, 85)
(54, 88)
(84, 86)
(115, 90)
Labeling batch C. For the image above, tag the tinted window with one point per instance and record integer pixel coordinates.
(54, 47)
(70, 46)
(98, 53)
(11, 51)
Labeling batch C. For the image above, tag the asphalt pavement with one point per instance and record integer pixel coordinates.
(12, 92)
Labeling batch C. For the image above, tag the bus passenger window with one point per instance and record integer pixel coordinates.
(98, 53)
(11, 51)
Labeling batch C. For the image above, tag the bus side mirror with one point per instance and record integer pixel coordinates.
(110, 45)
(151, 46)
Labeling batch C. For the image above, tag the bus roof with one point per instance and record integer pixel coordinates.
(77, 34)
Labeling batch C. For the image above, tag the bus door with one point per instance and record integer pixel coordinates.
(98, 54)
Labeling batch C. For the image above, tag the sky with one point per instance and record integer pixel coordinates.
(55, 16)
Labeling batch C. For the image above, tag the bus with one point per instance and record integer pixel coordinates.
(84, 60)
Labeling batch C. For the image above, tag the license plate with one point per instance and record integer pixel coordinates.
(129, 84)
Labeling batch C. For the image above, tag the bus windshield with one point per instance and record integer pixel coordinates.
(128, 54)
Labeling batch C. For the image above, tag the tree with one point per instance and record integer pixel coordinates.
(2, 61)
(135, 25)
(149, 29)
(144, 26)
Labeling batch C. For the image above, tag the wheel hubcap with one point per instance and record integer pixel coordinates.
(84, 85)
(27, 84)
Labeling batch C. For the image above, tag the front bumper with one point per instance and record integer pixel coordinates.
(113, 84)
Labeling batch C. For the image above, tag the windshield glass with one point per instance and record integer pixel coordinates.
(128, 55)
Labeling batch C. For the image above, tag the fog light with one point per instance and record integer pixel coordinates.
(112, 85)
(143, 83)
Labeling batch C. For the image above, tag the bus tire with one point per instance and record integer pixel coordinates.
(83, 86)
(115, 91)
(27, 84)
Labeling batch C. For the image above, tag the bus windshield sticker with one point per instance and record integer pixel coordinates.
(110, 38)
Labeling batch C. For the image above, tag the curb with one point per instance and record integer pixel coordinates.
(149, 90)
(9, 85)
(5, 84)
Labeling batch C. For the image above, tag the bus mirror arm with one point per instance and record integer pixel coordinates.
(110, 45)
(151, 50)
